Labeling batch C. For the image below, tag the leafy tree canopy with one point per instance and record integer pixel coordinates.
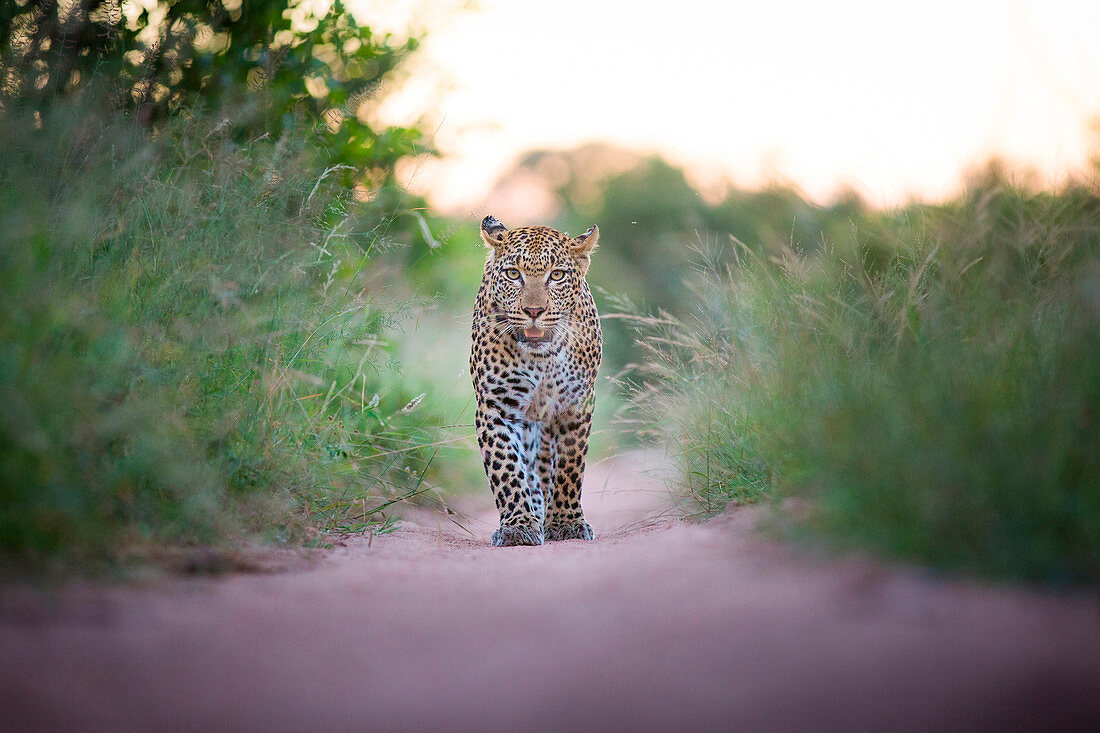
(268, 61)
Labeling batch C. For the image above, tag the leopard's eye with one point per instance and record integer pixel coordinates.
(511, 273)
(557, 275)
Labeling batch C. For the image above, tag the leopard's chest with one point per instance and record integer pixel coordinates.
(548, 390)
(548, 398)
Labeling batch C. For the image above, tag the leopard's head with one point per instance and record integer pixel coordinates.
(535, 279)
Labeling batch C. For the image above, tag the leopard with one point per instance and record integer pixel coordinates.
(535, 354)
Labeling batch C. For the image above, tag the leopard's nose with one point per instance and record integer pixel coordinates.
(534, 312)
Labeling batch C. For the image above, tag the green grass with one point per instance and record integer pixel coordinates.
(930, 387)
(196, 340)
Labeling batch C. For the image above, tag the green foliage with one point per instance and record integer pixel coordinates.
(191, 339)
(652, 214)
(929, 386)
(274, 64)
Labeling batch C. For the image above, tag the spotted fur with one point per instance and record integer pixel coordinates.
(536, 350)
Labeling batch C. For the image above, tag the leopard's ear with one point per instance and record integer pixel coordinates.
(492, 231)
(586, 243)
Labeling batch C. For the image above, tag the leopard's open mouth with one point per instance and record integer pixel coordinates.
(534, 334)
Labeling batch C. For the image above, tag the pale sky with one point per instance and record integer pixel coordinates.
(894, 99)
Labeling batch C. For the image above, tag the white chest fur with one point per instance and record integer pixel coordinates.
(555, 389)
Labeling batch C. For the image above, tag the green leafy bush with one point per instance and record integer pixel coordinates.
(266, 61)
(192, 341)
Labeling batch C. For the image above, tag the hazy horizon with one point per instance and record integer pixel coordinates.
(876, 98)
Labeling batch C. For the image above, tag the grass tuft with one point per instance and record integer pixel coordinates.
(931, 385)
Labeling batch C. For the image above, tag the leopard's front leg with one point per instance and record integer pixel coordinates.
(540, 479)
(564, 518)
(506, 447)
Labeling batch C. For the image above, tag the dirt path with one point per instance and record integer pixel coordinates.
(658, 625)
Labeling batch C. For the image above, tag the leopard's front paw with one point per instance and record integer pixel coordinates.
(577, 529)
(511, 535)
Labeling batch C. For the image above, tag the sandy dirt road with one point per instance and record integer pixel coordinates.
(658, 625)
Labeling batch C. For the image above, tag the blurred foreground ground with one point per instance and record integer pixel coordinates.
(658, 625)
